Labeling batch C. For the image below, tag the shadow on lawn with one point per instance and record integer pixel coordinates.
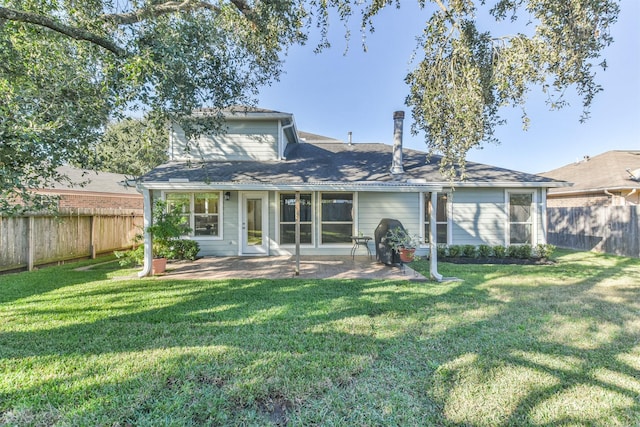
(267, 332)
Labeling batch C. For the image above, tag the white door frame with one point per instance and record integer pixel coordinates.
(244, 248)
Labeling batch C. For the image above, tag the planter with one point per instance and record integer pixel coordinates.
(407, 254)
(158, 266)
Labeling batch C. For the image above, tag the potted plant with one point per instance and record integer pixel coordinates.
(167, 226)
(403, 243)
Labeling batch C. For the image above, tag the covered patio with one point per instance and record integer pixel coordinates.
(284, 267)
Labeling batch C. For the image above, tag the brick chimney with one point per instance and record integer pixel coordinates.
(396, 164)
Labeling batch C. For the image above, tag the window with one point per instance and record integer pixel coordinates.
(520, 218)
(442, 220)
(288, 219)
(201, 210)
(337, 217)
(206, 208)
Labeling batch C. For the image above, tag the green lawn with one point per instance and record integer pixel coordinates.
(509, 345)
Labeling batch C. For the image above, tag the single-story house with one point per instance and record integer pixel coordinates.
(238, 192)
(608, 179)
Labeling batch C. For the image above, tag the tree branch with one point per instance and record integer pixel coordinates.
(73, 32)
(158, 10)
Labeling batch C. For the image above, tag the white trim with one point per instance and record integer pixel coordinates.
(278, 223)
(354, 215)
(192, 220)
(264, 196)
(327, 187)
(423, 214)
(534, 212)
(543, 215)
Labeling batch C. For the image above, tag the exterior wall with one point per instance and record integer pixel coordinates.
(100, 201)
(577, 200)
(477, 216)
(617, 198)
(244, 140)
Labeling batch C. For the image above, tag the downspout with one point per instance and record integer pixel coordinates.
(433, 236)
(148, 239)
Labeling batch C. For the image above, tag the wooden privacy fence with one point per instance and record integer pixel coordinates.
(37, 239)
(610, 229)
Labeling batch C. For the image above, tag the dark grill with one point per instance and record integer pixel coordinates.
(384, 253)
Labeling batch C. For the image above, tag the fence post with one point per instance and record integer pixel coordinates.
(92, 236)
(30, 242)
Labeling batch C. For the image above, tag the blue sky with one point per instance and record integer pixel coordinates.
(332, 93)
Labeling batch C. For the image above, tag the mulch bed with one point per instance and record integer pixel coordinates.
(491, 260)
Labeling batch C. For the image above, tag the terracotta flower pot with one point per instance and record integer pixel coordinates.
(407, 254)
(158, 265)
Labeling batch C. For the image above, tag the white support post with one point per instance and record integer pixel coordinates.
(148, 239)
(433, 238)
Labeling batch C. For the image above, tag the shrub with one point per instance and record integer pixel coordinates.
(469, 251)
(131, 258)
(524, 251)
(544, 251)
(441, 250)
(499, 251)
(484, 251)
(512, 251)
(454, 251)
(183, 249)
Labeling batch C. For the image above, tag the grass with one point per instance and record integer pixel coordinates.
(510, 345)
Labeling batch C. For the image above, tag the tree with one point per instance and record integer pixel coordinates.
(132, 147)
(67, 68)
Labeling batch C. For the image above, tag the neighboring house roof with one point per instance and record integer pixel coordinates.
(335, 163)
(92, 181)
(606, 171)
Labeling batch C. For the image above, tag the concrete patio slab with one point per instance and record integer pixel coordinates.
(283, 267)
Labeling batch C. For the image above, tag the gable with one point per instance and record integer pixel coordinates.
(243, 140)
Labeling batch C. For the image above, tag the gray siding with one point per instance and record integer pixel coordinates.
(250, 140)
(478, 216)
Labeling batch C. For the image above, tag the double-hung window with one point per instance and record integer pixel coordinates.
(442, 219)
(336, 217)
(521, 217)
(200, 210)
(288, 218)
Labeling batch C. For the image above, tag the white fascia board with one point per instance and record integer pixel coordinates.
(508, 184)
(367, 187)
(593, 190)
(256, 116)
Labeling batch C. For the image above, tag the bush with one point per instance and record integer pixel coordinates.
(499, 251)
(183, 249)
(131, 258)
(469, 251)
(442, 250)
(512, 251)
(484, 251)
(544, 251)
(454, 251)
(525, 251)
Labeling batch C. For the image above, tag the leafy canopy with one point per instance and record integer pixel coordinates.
(67, 68)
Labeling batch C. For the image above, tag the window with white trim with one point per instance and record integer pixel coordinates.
(521, 218)
(201, 210)
(288, 218)
(442, 218)
(336, 218)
